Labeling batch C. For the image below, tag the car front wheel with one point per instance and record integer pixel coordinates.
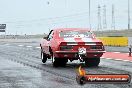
(43, 57)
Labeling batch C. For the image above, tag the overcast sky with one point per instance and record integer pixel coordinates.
(38, 16)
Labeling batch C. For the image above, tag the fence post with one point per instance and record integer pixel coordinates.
(130, 50)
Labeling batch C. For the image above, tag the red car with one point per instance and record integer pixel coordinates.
(65, 44)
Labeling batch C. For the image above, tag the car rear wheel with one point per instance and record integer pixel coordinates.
(92, 62)
(55, 62)
(63, 62)
(59, 62)
(43, 57)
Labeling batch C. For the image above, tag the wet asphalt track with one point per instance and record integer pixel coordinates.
(21, 67)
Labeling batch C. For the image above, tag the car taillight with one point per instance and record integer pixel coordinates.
(66, 47)
(97, 47)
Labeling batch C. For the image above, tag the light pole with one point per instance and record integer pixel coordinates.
(128, 14)
(66, 10)
(89, 15)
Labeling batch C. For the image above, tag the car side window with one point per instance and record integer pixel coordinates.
(50, 36)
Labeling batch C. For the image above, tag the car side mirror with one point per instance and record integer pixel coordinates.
(45, 37)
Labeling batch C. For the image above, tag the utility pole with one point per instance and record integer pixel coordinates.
(104, 17)
(99, 18)
(89, 14)
(66, 6)
(128, 14)
(113, 17)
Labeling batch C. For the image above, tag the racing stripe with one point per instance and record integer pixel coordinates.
(89, 41)
(79, 41)
(70, 41)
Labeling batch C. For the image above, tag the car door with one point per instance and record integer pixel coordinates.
(46, 43)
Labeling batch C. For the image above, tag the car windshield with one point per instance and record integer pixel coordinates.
(80, 34)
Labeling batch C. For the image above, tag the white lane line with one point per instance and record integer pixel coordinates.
(7, 44)
(116, 59)
(106, 58)
(38, 47)
(126, 60)
(116, 52)
(20, 45)
(120, 52)
(28, 46)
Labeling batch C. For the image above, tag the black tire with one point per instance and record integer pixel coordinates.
(55, 62)
(59, 62)
(63, 62)
(92, 62)
(43, 57)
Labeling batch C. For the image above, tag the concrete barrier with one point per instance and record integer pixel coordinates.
(114, 41)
